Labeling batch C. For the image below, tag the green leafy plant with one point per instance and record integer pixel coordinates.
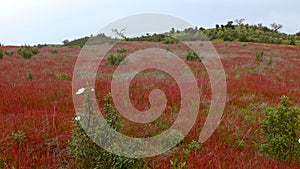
(62, 76)
(259, 56)
(27, 51)
(116, 59)
(8, 53)
(194, 145)
(282, 129)
(30, 75)
(192, 56)
(19, 136)
(176, 164)
(86, 151)
(54, 51)
(270, 62)
(1, 54)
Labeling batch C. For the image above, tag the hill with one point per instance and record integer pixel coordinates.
(222, 32)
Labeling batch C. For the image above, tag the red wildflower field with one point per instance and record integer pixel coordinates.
(37, 113)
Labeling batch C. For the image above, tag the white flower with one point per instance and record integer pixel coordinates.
(80, 91)
(77, 118)
(92, 90)
(299, 141)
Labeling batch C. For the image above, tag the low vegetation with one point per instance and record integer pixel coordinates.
(86, 151)
(116, 59)
(282, 129)
(27, 51)
(192, 56)
(1, 54)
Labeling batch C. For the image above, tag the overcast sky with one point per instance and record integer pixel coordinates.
(52, 21)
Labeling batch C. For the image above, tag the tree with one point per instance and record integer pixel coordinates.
(172, 31)
(239, 21)
(230, 25)
(66, 42)
(276, 26)
(260, 26)
(120, 33)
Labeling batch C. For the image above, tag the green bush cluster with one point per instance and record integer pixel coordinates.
(155, 38)
(240, 32)
(192, 56)
(54, 51)
(282, 129)
(92, 40)
(86, 151)
(116, 59)
(8, 53)
(27, 51)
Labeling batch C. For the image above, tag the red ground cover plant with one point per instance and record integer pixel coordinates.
(37, 113)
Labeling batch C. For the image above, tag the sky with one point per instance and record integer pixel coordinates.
(52, 21)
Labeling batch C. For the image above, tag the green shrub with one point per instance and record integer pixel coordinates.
(19, 137)
(54, 51)
(30, 75)
(192, 56)
(1, 54)
(86, 151)
(62, 76)
(270, 62)
(282, 129)
(259, 56)
(8, 53)
(116, 59)
(27, 51)
(194, 145)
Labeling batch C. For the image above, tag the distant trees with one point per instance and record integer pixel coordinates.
(230, 25)
(239, 21)
(276, 26)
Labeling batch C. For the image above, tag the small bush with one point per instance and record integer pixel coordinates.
(282, 128)
(116, 59)
(8, 53)
(1, 54)
(87, 152)
(30, 76)
(53, 51)
(19, 137)
(259, 56)
(62, 76)
(192, 56)
(194, 145)
(27, 51)
(270, 62)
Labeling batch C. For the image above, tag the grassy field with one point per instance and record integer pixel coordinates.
(37, 112)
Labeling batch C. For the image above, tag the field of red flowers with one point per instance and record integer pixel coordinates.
(37, 112)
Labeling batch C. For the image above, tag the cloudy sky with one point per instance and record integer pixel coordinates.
(52, 21)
